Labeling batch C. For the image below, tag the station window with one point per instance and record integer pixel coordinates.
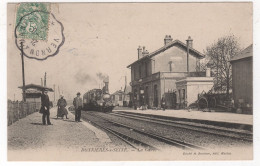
(140, 71)
(170, 66)
(179, 95)
(120, 97)
(146, 69)
(183, 94)
(135, 73)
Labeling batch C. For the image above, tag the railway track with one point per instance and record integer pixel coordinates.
(134, 143)
(129, 139)
(220, 131)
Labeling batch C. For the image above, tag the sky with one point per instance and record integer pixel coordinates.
(102, 39)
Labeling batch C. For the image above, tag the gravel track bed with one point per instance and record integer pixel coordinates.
(191, 123)
(204, 127)
(150, 141)
(186, 135)
(117, 142)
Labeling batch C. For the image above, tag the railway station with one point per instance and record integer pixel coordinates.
(172, 71)
(170, 107)
(134, 119)
(189, 94)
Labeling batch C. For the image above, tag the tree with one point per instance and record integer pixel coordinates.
(218, 57)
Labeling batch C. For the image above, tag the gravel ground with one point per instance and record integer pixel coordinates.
(194, 137)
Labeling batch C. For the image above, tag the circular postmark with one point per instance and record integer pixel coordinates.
(40, 33)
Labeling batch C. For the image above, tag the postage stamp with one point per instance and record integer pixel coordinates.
(38, 31)
(32, 20)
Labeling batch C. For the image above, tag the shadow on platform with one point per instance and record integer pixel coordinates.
(36, 123)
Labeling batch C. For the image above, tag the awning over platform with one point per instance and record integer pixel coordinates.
(37, 87)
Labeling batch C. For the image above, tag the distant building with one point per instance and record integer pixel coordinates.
(122, 98)
(242, 77)
(155, 74)
(117, 98)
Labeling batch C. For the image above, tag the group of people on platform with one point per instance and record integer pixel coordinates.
(61, 104)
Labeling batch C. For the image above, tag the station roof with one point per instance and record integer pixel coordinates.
(37, 87)
(193, 51)
(247, 52)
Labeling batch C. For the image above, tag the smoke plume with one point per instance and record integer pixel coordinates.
(84, 78)
(102, 76)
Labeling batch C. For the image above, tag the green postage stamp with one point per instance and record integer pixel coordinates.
(32, 20)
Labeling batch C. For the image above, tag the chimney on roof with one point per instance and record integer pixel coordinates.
(139, 50)
(189, 42)
(167, 39)
(189, 45)
(145, 52)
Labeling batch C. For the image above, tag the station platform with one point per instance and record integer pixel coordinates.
(195, 115)
(29, 140)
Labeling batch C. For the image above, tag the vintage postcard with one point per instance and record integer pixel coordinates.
(129, 81)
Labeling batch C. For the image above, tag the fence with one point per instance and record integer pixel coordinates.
(18, 110)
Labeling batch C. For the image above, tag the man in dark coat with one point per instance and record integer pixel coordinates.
(77, 102)
(46, 107)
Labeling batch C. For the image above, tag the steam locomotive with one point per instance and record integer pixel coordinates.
(98, 100)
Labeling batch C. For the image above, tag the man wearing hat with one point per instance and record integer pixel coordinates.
(78, 104)
(46, 107)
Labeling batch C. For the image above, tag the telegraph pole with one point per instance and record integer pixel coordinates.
(24, 98)
(59, 90)
(125, 81)
(45, 79)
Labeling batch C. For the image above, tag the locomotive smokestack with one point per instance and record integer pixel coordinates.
(106, 81)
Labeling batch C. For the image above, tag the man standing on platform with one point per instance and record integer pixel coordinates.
(46, 108)
(78, 104)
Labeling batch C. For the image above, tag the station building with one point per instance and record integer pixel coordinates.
(154, 75)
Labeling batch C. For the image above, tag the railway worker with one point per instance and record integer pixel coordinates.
(163, 104)
(62, 111)
(46, 107)
(78, 104)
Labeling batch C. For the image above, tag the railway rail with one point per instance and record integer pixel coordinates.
(220, 131)
(133, 141)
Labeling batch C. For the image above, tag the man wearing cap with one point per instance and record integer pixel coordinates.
(78, 104)
(46, 107)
